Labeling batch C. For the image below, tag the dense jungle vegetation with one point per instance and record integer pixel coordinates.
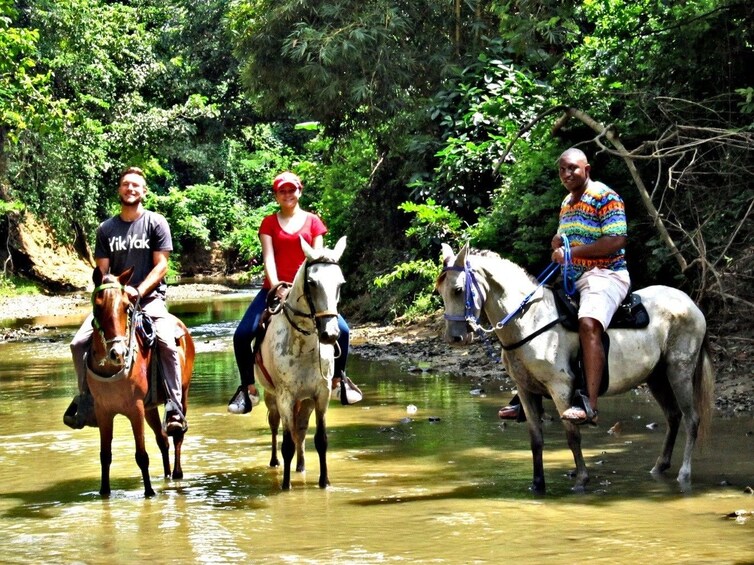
(411, 123)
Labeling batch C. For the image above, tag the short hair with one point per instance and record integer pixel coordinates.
(574, 152)
(132, 171)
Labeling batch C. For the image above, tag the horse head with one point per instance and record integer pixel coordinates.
(111, 309)
(461, 295)
(322, 279)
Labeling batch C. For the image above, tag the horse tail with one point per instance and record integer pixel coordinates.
(704, 389)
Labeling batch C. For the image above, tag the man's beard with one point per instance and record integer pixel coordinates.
(133, 204)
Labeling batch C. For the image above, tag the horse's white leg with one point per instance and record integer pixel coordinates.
(288, 449)
(665, 397)
(681, 368)
(573, 437)
(303, 412)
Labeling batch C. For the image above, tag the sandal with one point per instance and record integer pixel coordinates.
(580, 416)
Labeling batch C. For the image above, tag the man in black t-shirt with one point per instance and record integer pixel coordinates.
(137, 238)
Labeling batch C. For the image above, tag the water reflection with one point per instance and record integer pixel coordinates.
(447, 484)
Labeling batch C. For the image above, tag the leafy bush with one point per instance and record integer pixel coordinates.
(412, 282)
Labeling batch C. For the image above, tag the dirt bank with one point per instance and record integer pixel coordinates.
(420, 345)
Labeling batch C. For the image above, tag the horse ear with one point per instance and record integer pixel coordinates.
(340, 247)
(97, 276)
(308, 249)
(125, 276)
(447, 254)
(461, 258)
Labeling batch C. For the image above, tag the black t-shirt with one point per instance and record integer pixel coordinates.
(131, 244)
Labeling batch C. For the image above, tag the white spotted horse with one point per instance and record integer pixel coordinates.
(670, 355)
(296, 358)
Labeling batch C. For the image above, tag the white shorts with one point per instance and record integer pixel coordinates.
(601, 292)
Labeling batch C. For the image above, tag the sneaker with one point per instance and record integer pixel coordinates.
(242, 402)
(174, 424)
(347, 392)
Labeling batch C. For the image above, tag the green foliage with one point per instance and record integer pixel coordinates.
(412, 282)
(432, 224)
(25, 97)
(362, 61)
(244, 237)
(479, 113)
(11, 285)
(523, 216)
(411, 288)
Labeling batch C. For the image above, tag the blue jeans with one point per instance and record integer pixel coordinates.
(247, 328)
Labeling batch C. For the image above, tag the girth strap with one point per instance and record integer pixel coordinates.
(265, 372)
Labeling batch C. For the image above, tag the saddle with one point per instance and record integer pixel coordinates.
(631, 314)
(274, 303)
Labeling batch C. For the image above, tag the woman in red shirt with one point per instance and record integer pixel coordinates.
(282, 256)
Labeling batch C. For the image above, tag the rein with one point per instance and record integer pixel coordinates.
(132, 323)
(471, 285)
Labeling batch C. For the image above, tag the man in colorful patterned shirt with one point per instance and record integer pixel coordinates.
(593, 219)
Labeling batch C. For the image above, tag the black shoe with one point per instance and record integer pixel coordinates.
(80, 412)
(69, 418)
(174, 424)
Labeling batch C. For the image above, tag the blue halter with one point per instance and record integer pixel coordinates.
(471, 292)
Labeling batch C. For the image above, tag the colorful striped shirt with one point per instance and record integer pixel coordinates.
(600, 212)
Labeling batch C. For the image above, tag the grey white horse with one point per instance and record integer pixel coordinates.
(298, 356)
(670, 355)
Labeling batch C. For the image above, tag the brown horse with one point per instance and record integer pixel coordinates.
(118, 378)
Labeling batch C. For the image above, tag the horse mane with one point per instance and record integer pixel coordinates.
(498, 266)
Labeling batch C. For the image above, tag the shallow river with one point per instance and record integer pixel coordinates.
(447, 484)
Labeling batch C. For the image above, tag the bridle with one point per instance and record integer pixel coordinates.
(129, 341)
(474, 299)
(313, 314)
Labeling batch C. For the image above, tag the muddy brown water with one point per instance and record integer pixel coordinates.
(447, 484)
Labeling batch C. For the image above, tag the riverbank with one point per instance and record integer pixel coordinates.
(418, 345)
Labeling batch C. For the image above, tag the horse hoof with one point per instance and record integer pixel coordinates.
(537, 489)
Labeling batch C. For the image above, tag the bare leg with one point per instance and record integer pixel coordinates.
(590, 334)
